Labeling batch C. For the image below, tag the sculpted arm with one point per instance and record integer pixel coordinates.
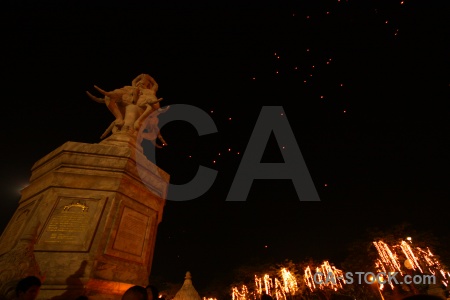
(154, 84)
(111, 100)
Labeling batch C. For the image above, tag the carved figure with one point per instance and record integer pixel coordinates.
(150, 129)
(136, 109)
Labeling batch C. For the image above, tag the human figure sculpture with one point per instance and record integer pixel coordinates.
(136, 109)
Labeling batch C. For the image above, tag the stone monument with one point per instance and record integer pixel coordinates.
(86, 224)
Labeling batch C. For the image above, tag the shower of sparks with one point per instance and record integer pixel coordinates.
(267, 284)
(401, 258)
(276, 288)
(396, 258)
(258, 285)
(325, 272)
(309, 279)
(241, 294)
(287, 286)
(413, 258)
(279, 290)
(387, 259)
(289, 282)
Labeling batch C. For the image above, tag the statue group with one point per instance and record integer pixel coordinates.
(136, 109)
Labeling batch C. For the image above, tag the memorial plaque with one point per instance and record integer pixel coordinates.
(132, 237)
(132, 232)
(71, 225)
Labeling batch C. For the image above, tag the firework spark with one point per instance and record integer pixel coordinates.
(330, 276)
(414, 258)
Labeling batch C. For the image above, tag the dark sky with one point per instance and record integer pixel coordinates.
(365, 87)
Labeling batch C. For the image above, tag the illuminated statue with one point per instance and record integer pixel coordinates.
(136, 109)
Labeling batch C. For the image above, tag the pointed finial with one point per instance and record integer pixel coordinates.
(188, 275)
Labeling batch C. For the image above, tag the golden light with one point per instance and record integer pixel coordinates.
(289, 281)
(267, 284)
(279, 291)
(408, 252)
(237, 294)
(263, 284)
(408, 264)
(286, 285)
(416, 259)
(325, 270)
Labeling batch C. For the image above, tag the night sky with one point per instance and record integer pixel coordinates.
(364, 84)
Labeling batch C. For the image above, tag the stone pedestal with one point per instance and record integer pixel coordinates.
(94, 210)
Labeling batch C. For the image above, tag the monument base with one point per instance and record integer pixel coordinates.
(94, 209)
